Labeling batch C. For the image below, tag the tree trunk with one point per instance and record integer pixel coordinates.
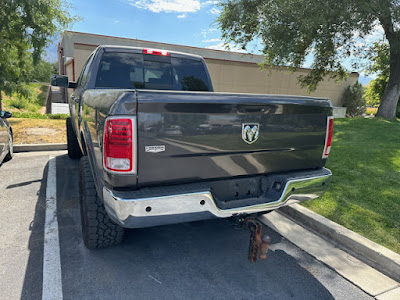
(387, 108)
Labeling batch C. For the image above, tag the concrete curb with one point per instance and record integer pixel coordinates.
(371, 253)
(352, 269)
(39, 147)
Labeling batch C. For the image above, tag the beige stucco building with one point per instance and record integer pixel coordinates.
(229, 71)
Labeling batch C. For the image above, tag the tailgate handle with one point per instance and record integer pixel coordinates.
(256, 109)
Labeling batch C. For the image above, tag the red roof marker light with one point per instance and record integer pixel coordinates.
(156, 52)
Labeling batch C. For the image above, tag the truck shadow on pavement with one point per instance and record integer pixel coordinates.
(198, 260)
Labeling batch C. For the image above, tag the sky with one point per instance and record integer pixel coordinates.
(182, 22)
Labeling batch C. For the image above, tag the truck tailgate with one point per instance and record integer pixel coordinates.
(192, 136)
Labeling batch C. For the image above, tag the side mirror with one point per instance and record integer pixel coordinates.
(59, 80)
(5, 114)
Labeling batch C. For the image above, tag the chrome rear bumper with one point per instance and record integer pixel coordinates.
(154, 211)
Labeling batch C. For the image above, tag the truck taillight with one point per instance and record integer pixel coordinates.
(328, 138)
(156, 52)
(118, 147)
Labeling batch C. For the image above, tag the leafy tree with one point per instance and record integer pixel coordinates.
(55, 67)
(354, 101)
(43, 71)
(26, 27)
(372, 97)
(379, 57)
(380, 64)
(330, 30)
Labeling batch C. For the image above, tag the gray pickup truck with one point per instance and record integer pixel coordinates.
(157, 146)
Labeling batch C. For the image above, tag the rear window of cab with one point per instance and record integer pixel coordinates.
(144, 71)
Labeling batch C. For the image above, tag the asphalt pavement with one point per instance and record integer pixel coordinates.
(198, 260)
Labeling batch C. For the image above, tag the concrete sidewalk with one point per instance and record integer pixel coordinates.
(371, 253)
(357, 272)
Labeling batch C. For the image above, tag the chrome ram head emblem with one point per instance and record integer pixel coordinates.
(250, 132)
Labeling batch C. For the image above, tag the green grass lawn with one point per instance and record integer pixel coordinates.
(364, 194)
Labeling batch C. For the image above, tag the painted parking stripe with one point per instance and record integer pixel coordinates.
(52, 285)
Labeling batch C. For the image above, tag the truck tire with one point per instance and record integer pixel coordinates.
(74, 151)
(98, 230)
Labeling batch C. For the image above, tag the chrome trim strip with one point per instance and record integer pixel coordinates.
(143, 212)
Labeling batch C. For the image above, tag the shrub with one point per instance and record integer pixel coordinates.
(372, 110)
(58, 116)
(32, 98)
(30, 115)
(354, 101)
(17, 104)
(32, 107)
(33, 115)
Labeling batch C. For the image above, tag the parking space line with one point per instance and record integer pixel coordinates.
(52, 285)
